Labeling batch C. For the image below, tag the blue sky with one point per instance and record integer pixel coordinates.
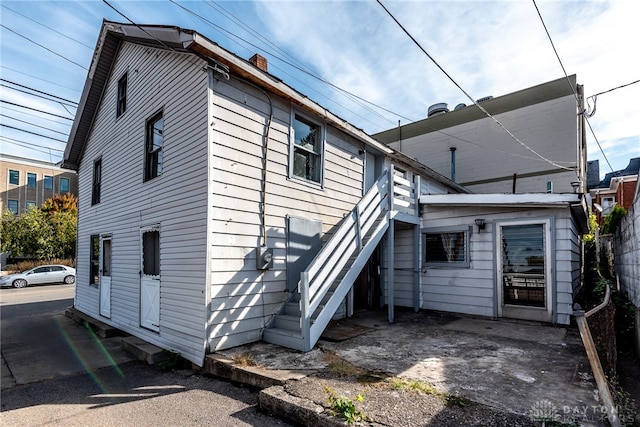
(488, 47)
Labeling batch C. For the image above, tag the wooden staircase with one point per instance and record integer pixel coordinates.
(330, 276)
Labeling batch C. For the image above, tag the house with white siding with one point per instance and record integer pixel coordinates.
(218, 207)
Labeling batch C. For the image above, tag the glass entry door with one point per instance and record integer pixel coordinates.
(524, 270)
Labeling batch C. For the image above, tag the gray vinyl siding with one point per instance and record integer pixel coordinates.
(473, 290)
(176, 200)
(243, 299)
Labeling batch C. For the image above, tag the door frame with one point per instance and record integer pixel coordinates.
(155, 327)
(541, 314)
(104, 285)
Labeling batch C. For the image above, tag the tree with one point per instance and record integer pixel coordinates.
(612, 220)
(45, 233)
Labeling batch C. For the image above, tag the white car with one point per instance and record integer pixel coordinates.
(39, 275)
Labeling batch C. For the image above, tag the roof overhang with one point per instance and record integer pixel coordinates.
(575, 202)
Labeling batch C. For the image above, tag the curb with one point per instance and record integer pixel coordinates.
(254, 376)
(297, 410)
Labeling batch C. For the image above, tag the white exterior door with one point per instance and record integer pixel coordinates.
(150, 278)
(369, 171)
(105, 276)
(524, 270)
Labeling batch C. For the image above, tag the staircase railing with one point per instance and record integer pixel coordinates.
(319, 278)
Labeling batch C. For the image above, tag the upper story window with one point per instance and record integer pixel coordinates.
(31, 204)
(154, 142)
(97, 181)
(48, 182)
(122, 96)
(446, 247)
(31, 180)
(14, 177)
(307, 149)
(64, 185)
(607, 205)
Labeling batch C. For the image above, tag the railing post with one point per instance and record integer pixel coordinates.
(391, 186)
(356, 223)
(305, 320)
(417, 190)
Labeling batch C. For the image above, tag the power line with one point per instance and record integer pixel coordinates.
(32, 133)
(34, 109)
(39, 23)
(35, 115)
(39, 96)
(355, 98)
(29, 145)
(33, 124)
(615, 88)
(41, 92)
(477, 104)
(38, 78)
(44, 47)
(570, 85)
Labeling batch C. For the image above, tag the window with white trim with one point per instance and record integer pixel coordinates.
(154, 142)
(307, 149)
(446, 246)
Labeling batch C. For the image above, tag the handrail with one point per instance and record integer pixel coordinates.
(390, 192)
(594, 360)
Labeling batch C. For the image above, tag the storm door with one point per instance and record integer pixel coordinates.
(150, 278)
(105, 276)
(525, 271)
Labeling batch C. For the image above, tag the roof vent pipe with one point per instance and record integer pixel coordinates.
(453, 163)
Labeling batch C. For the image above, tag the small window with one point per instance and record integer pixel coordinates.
(30, 205)
(446, 247)
(94, 256)
(64, 185)
(14, 177)
(122, 96)
(97, 180)
(12, 205)
(48, 182)
(31, 180)
(607, 205)
(154, 142)
(307, 149)
(151, 253)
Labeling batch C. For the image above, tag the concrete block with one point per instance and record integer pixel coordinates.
(254, 376)
(297, 410)
(144, 351)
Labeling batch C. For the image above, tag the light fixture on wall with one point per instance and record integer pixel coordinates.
(480, 223)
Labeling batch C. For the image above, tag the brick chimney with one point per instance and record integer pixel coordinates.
(260, 62)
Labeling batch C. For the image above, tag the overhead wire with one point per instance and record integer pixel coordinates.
(32, 133)
(477, 104)
(570, 85)
(35, 115)
(63, 104)
(34, 109)
(22, 73)
(29, 145)
(45, 26)
(44, 47)
(33, 124)
(73, 103)
(353, 96)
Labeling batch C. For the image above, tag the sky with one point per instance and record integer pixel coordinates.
(351, 57)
